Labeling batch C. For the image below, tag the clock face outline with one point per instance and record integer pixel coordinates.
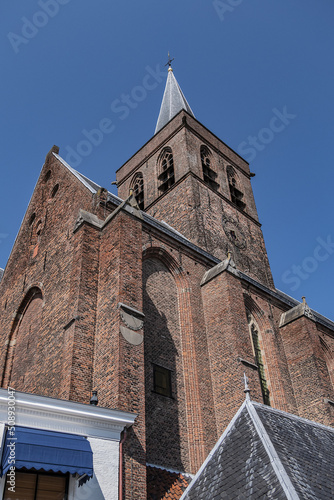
(233, 232)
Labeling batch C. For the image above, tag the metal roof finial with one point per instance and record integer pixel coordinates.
(246, 390)
(169, 63)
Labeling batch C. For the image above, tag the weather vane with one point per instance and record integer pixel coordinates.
(169, 62)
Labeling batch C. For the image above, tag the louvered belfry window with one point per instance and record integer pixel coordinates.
(166, 167)
(209, 175)
(138, 189)
(236, 194)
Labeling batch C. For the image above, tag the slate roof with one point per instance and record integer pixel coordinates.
(1, 273)
(172, 102)
(165, 485)
(267, 453)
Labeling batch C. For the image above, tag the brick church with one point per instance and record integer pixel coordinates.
(159, 300)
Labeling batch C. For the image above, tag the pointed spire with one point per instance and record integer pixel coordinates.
(173, 100)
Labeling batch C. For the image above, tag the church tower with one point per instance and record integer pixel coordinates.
(160, 301)
(189, 178)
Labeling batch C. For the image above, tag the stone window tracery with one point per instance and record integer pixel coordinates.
(137, 186)
(166, 176)
(209, 175)
(235, 192)
(254, 333)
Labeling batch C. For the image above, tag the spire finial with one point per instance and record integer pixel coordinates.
(169, 63)
(246, 390)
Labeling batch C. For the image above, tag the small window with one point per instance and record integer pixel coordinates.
(236, 194)
(166, 168)
(209, 175)
(138, 189)
(54, 191)
(29, 486)
(162, 381)
(47, 176)
(32, 218)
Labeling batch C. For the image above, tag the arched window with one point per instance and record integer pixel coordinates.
(253, 330)
(20, 365)
(236, 194)
(166, 170)
(209, 175)
(137, 185)
(329, 358)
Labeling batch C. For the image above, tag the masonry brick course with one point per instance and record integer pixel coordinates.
(68, 274)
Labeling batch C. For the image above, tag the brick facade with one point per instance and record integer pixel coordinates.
(85, 269)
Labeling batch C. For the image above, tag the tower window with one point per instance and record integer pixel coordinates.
(162, 381)
(209, 175)
(166, 167)
(138, 189)
(236, 194)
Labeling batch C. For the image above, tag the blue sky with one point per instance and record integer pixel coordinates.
(67, 64)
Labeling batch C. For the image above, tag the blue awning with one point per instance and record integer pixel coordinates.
(47, 450)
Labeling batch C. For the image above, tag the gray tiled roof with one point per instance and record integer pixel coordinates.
(172, 102)
(306, 451)
(267, 453)
(1, 273)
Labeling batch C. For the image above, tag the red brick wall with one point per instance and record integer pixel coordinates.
(204, 216)
(45, 260)
(119, 365)
(308, 370)
(21, 370)
(166, 418)
(267, 317)
(228, 341)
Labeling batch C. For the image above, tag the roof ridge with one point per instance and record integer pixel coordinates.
(214, 449)
(292, 416)
(281, 474)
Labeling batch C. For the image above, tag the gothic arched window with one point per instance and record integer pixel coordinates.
(253, 330)
(23, 349)
(166, 170)
(138, 189)
(209, 175)
(236, 194)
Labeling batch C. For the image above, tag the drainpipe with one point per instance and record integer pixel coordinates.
(120, 481)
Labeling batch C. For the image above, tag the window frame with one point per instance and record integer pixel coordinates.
(39, 473)
(258, 356)
(168, 393)
(209, 174)
(166, 175)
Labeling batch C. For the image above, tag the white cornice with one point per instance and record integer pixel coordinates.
(41, 412)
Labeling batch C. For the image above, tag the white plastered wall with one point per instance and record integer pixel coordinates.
(104, 484)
